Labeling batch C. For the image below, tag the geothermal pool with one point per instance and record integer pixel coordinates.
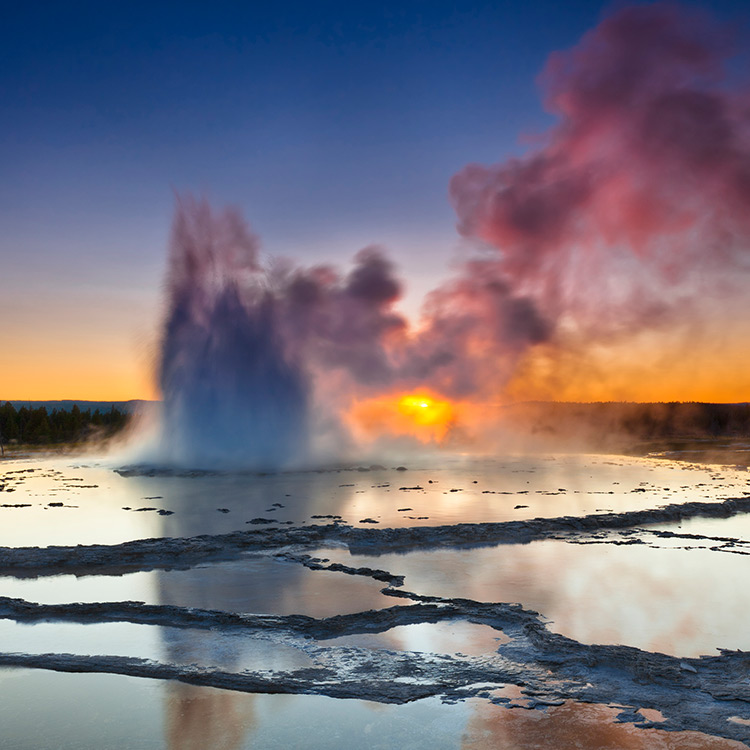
(546, 601)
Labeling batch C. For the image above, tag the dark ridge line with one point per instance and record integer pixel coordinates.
(729, 551)
(316, 564)
(500, 616)
(171, 552)
(316, 681)
(665, 534)
(631, 536)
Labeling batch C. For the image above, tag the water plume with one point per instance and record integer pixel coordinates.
(232, 395)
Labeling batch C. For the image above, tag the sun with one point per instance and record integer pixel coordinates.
(427, 411)
(421, 414)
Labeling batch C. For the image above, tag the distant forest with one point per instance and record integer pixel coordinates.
(41, 426)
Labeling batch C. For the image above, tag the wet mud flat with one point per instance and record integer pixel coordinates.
(461, 624)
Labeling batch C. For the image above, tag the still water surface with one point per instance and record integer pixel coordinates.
(656, 596)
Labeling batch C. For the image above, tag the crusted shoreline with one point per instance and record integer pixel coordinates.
(180, 552)
(704, 694)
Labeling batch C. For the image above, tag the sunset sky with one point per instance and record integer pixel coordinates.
(331, 126)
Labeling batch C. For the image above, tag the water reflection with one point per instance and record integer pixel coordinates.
(66, 503)
(91, 711)
(574, 726)
(197, 718)
(644, 597)
(200, 718)
(670, 600)
(206, 718)
(683, 602)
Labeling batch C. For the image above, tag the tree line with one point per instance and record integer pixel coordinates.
(41, 427)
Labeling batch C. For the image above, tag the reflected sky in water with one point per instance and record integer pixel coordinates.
(663, 598)
(95, 505)
(94, 712)
(675, 601)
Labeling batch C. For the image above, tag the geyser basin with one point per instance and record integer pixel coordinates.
(301, 616)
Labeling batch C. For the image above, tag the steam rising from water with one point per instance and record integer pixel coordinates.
(254, 359)
(638, 193)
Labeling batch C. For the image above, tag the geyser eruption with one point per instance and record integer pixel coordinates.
(254, 360)
(632, 210)
(232, 394)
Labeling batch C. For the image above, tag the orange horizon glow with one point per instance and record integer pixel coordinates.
(422, 414)
(93, 343)
(648, 371)
(541, 377)
(42, 376)
(105, 365)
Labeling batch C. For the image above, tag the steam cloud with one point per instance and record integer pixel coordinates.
(641, 187)
(253, 357)
(643, 184)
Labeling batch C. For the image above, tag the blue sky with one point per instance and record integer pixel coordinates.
(322, 121)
